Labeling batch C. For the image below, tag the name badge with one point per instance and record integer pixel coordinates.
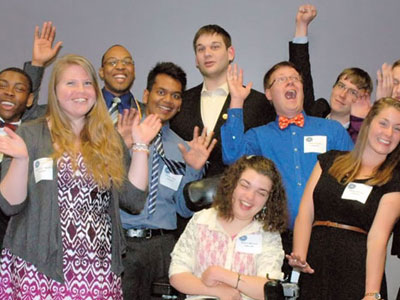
(315, 144)
(251, 243)
(170, 180)
(43, 169)
(357, 191)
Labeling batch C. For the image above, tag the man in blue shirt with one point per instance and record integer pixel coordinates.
(293, 148)
(149, 235)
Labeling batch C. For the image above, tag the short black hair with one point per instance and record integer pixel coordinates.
(20, 71)
(167, 68)
(108, 49)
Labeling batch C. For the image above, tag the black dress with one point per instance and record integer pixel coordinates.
(338, 256)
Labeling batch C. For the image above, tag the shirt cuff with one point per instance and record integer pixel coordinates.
(300, 40)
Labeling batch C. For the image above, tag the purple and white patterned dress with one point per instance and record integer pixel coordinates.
(86, 239)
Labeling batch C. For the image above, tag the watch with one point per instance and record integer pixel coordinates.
(374, 294)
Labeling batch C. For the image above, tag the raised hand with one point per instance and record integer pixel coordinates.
(296, 262)
(13, 145)
(124, 125)
(237, 91)
(43, 50)
(200, 148)
(144, 132)
(361, 106)
(305, 14)
(385, 82)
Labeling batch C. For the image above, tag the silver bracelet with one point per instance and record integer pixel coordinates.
(140, 147)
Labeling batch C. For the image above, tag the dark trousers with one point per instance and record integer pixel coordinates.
(145, 261)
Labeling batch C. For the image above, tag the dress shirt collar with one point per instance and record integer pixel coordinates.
(18, 123)
(126, 99)
(222, 90)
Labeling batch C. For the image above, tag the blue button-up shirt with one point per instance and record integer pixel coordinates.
(284, 147)
(169, 202)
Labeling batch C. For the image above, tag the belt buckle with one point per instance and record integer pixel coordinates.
(148, 234)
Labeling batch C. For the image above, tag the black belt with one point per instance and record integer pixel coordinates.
(146, 233)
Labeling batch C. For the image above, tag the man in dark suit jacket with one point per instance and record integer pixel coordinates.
(206, 104)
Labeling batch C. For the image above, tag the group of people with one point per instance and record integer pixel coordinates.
(92, 185)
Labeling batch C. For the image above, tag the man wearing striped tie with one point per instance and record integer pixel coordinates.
(118, 73)
(173, 163)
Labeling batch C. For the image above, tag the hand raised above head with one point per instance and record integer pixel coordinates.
(237, 91)
(384, 82)
(43, 50)
(200, 148)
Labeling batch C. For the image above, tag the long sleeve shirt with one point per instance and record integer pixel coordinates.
(294, 150)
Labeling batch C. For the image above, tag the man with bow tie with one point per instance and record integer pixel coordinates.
(292, 141)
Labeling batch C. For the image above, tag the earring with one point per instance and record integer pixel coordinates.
(262, 214)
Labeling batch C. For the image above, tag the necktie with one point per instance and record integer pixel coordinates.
(113, 110)
(297, 120)
(13, 127)
(175, 167)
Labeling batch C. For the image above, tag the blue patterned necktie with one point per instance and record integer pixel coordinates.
(175, 167)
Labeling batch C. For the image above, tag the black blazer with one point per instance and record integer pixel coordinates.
(257, 111)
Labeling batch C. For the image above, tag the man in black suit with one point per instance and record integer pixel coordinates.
(206, 104)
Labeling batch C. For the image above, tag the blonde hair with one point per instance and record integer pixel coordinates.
(100, 145)
(346, 167)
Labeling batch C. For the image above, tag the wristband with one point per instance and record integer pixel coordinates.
(140, 147)
(376, 295)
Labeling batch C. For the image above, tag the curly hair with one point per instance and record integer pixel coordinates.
(273, 215)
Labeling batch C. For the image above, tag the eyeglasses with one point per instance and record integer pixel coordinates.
(343, 87)
(284, 79)
(113, 62)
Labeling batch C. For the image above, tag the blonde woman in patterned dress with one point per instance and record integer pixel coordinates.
(64, 179)
(227, 251)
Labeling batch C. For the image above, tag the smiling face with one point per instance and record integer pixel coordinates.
(343, 95)
(212, 55)
(75, 92)
(15, 96)
(250, 195)
(118, 70)
(286, 95)
(165, 97)
(384, 132)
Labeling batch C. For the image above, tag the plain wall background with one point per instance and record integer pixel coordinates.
(360, 33)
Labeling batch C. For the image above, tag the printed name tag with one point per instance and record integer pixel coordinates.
(43, 169)
(169, 179)
(357, 191)
(251, 243)
(315, 144)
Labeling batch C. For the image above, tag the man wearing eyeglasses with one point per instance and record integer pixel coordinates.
(350, 97)
(118, 73)
(292, 141)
